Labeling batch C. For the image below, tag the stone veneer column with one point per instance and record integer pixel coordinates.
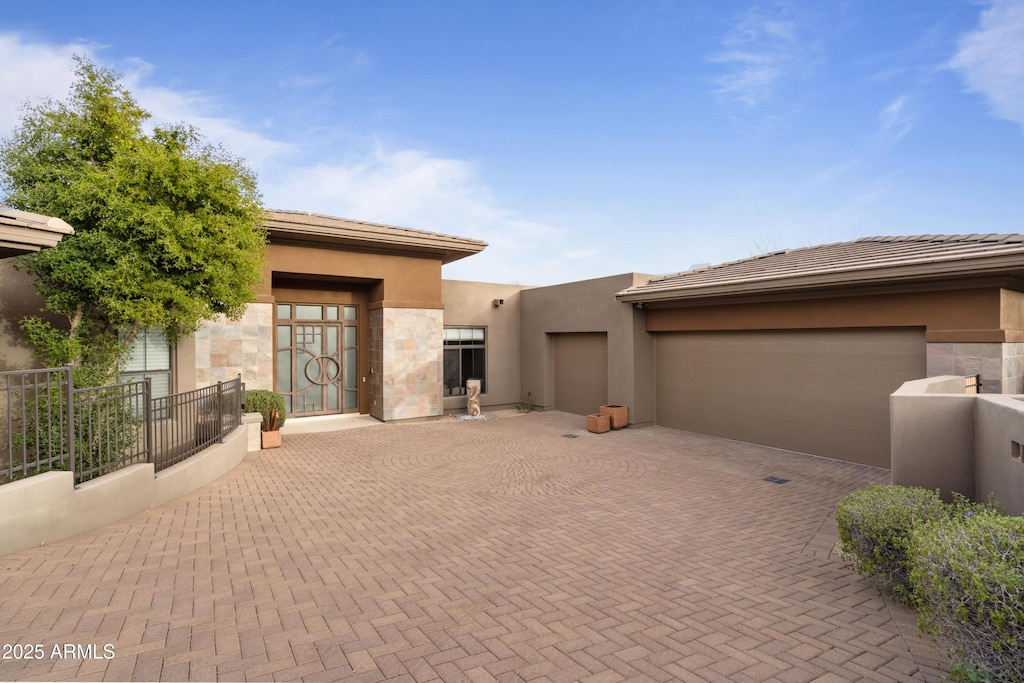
(1013, 368)
(408, 377)
(1001, 366)
(226, 348)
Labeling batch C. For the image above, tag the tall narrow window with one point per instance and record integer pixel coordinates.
(465, 351)
(149, 356)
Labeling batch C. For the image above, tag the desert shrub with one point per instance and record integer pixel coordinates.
(968, 574)
(269, 404)
(875, 524)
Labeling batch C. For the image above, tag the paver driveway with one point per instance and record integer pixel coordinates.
(452, 550)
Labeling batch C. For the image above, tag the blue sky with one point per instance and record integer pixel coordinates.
(580, 138)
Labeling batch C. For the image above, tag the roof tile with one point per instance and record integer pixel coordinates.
(865, 260)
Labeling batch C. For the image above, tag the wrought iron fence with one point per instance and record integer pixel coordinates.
(184, 424)
(49, 424)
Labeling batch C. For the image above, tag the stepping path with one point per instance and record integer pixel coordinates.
(491, 550)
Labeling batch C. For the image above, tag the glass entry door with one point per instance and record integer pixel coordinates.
(317, 358)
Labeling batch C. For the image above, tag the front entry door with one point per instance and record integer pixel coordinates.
(317, 358)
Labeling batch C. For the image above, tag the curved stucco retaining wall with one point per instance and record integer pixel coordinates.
(956, 442)
(48, 507)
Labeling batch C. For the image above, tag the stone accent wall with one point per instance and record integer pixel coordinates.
(226, 348)
(412, 363)
(1001, 366)
(1013, 368)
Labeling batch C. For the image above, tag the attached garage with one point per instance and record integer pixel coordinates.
(800, 349)
(814, 391)
(580, 371)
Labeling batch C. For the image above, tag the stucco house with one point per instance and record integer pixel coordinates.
(797, 349)
(21, 232)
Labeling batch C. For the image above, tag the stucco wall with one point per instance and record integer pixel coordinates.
(590, 306)
(472, 304)
(401, 281)
(932, 435)
(967, 315)
(967, 443)
(18, 299)
(47, 507)
(1000, 435)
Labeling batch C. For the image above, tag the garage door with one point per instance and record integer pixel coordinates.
(824, 391)
(581, 371)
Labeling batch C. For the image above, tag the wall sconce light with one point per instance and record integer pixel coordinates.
(498, 302)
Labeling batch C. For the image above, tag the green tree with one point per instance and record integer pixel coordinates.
(168, 228)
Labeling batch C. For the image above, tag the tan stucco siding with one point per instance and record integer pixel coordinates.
(590, 306)
(471, 304)
(1012, 315)
(18, 299)
(977, 315)
(401, 281)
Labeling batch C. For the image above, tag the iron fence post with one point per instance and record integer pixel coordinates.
(70, 418)
(220, 411)
(147, 413)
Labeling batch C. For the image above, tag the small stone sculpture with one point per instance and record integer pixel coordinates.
(473, 397)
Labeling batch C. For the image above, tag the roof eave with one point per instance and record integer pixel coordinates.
(981, 266)
(342, 233)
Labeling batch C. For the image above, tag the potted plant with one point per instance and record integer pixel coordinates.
(270, 405)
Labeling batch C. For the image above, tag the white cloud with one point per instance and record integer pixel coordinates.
(397, 186)
(33, 71)
(198, 109)
(990, 59)
(896, 119)
(762, 49)
(412, 188)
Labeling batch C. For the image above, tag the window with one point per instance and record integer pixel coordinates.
(149, 356)
(464, 358)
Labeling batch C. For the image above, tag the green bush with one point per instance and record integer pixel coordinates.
(269, 404)
(968, 573)
(875, 524)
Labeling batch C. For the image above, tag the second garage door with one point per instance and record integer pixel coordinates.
(581, 371)
(815, 391)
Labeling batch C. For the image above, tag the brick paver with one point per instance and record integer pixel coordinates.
(495, 550)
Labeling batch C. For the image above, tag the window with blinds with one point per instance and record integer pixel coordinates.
(149, 356)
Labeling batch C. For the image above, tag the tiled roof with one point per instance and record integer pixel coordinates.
(23, 232)
(869, 260)
(330, 230)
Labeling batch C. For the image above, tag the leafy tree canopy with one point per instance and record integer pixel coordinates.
(168, 229)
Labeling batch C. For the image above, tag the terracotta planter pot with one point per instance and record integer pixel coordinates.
(270, 439)
(598, 423)
(618, 414)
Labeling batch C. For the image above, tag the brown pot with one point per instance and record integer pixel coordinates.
(618, 414)
(598, 424)
(270, 439)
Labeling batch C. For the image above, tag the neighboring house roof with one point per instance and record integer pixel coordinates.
(866, 261)
(314, 229)
(22, 232)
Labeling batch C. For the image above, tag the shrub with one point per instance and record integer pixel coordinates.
(269, 404)
(875, 524)
(968, 573)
